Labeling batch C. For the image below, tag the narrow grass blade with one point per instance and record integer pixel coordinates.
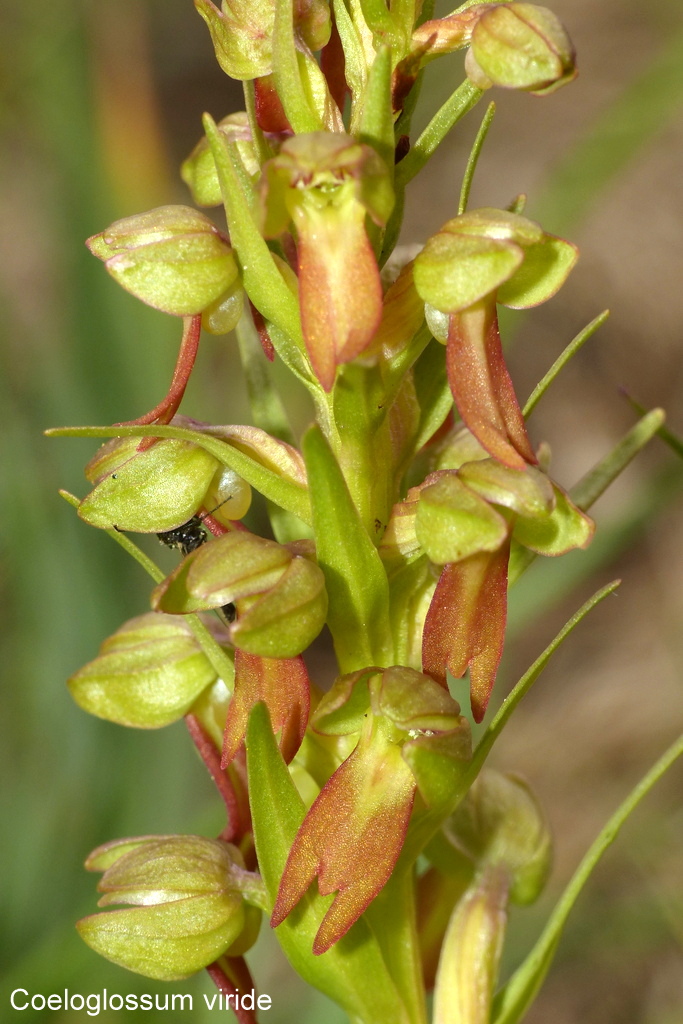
(561, 361)
(528, 679)
(515, 998)
(473, 160)
(597, 480)
(674, 442)
(456, 106)
(352, 972)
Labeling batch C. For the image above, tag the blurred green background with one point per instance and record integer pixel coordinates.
(100, 102)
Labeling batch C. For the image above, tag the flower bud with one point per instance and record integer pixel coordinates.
(280, 596)
(172, 258)
(147, 675)
(520, 46)
(148, 492)
(470, 954)
(199, 172)
(186, 903)
(501, 824)
(242, 32)
(490, 252)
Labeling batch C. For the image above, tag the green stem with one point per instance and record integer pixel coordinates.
(465, 97)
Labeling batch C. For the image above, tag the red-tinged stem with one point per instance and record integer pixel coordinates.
(262, 331)
(167, 408)
(218, 529)
(211, 758)
(231, 976)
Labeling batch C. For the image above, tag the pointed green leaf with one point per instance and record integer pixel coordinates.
(356, 580)
(352, 972)
(302, 117)
(562, 360)
(598, 479)
(262, 280)
(376, 122)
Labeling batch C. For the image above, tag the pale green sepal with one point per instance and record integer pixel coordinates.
(526, 491)
(566, 528)
(546, 266)
(154, 491)
(263, 281)
(173, 258)
(285, 621)
(170, 941)
(514, 999)
(177, 276)
(342, 709)
(241, 37)
(356, 580)
(146, 676)
(454, 522)
(454, 271)
(352, 972)
(108, 853)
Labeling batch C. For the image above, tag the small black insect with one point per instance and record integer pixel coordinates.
(191, 535)
(186, 538)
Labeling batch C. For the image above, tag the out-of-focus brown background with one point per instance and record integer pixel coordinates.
(101, 102)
